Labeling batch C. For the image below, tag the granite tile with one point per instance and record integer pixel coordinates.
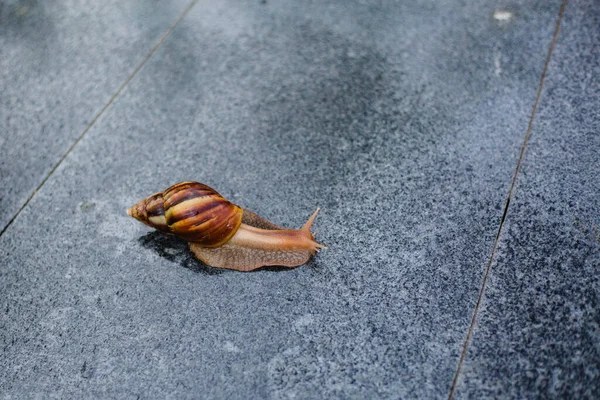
(538, 331)
(60, 63)
(402, 121)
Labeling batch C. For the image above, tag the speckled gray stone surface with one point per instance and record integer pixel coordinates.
(60, 63)
(402, 121)
(538, 335)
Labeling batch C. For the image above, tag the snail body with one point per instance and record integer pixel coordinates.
(222, 234)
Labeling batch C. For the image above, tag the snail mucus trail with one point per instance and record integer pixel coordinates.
(222, 234)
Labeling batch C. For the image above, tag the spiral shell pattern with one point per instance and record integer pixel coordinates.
(191, 210)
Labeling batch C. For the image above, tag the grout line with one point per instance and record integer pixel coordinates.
(112, 99)
(507, 203)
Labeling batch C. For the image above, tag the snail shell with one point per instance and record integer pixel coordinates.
(222, 234)
(192, 211)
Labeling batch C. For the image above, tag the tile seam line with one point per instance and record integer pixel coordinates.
(507, 202)
(101, 112)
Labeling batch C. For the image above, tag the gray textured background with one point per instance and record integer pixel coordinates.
(403, 121)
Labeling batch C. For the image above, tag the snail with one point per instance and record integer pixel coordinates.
(222, 234)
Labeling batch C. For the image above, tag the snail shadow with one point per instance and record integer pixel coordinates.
(177, 251)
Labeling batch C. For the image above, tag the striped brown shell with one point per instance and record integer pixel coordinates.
(191, 210)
